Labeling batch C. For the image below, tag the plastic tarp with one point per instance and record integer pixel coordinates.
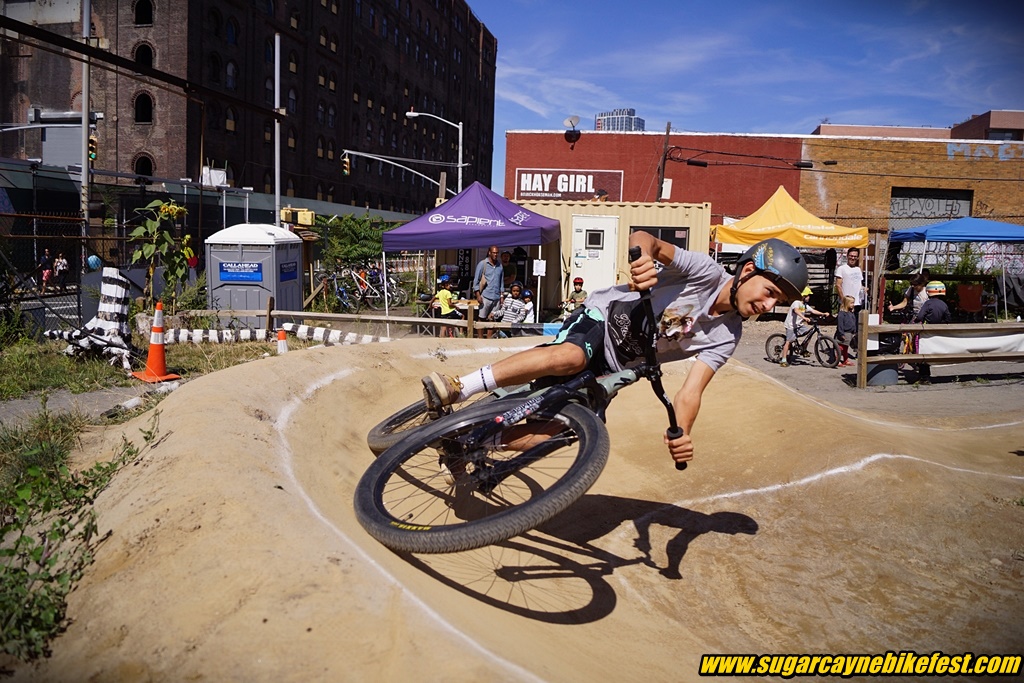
(961, 230)
(476, 217)
(782, 217)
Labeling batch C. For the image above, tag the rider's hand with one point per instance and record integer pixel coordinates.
(643, 273)
(680, 449)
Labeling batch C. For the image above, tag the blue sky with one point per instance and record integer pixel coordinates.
(752, 66)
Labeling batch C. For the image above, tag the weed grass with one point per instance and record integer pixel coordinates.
(28, 366)
(48, 529)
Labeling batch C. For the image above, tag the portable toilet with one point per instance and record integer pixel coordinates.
(250, 262)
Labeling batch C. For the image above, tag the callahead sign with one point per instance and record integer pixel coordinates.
(568, 185)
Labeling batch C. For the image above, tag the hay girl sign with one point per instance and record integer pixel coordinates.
(568, 185)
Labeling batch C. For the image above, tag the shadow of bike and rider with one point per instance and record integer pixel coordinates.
(557, 573)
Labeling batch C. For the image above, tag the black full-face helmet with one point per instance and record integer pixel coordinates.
(776, 260)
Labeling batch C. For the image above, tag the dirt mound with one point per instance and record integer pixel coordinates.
(801, 527)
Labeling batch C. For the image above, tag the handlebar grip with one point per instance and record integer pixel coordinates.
(675, 433)
(634, 253)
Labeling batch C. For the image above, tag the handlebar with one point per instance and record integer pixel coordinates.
(674, 431)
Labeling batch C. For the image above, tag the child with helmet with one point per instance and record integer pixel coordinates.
(932, 312)
(576, 297)
(700, 310)
(444, 298)
(797, 323)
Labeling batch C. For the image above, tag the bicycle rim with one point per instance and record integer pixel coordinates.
(409, 503)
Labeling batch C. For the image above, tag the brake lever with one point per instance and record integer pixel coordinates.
(674, 431)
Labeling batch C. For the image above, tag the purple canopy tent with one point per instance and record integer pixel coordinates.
(476, 217)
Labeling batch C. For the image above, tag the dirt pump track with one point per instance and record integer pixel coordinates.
(801, 527)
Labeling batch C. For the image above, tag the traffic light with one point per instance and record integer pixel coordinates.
(93, 144)
(346, 168)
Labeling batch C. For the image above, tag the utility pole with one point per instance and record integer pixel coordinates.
(86, 179)
(661, 167)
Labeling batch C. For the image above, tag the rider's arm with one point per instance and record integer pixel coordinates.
(687, 404)
(643, 272)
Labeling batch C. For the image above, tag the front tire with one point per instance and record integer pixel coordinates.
(773, 347)
(410, 503)
(826, 350)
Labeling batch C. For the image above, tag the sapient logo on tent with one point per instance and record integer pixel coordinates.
(467, 220)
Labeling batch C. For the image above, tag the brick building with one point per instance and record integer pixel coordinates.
(876, 176)
(349, 72)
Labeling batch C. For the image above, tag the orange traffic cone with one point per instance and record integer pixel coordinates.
(156, 367)
(282, 342)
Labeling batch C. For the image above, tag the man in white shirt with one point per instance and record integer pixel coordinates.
(850, 282)
(850, 279)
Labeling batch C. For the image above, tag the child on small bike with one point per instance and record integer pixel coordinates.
(797, 323)
(444, 298)
(700, 310)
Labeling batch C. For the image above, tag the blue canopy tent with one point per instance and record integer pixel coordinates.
(963, 230)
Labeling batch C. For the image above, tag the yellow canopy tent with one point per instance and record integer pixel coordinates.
(783, 218)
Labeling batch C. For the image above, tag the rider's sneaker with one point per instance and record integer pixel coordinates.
(784, 364)
(440, 391)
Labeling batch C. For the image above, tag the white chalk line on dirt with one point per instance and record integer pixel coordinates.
(468, 352)
(852, 467)
(862, 418)
(280, 425)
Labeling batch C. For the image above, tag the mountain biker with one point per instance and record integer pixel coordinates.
(797, 323)
(700, 308)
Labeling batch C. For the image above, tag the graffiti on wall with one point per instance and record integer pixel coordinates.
(1003, 152)
(928, 207)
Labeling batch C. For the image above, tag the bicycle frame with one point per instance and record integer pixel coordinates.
(585, 388)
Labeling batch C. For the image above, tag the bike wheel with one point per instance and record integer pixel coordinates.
(773, 347)
(394, 428)
(826, 351)
(409, 503)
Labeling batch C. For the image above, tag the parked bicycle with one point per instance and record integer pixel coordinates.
(498, 466)
(339, 287)
(826, 349)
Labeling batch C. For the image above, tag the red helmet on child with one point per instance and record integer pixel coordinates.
(577, 281)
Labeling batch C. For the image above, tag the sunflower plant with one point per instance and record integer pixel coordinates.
(155, 245)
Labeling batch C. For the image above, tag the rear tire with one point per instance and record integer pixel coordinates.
(393, 429)
(773, 347)
(405, 500)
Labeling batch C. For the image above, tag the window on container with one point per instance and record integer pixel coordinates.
(214, 21)
(292, 138)
(230, 120)
(293, 101)
(319, 149)
(323, 37)
(268, 183)
(231, 32)
(231, 76)
(268, 90)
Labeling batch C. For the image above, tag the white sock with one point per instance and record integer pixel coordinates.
(477, 382)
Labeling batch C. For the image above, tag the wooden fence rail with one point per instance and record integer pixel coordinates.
(957, 330)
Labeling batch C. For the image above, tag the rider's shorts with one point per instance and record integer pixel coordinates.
(584, 328)
(791, 334)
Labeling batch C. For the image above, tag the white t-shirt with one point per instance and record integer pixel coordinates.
(685, 292)
(853, 282)
(793, 319)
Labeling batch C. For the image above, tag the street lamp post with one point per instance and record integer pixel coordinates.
(414, 114)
